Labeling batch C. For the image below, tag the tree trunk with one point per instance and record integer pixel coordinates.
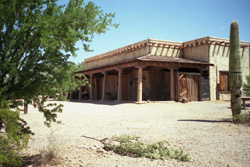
(25, 107)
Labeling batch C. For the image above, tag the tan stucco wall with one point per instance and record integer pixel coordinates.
(219, 56)
(109, 60)
(157, 48)
(197, 52)
(153, 47)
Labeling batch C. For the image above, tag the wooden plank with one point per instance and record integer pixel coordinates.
(181, 76)
(183, 89)
(183, 93)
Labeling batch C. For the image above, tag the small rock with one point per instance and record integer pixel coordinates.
(93, 148)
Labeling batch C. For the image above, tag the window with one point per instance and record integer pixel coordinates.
(224, 81)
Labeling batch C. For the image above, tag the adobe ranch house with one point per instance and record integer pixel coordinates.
(159, 70)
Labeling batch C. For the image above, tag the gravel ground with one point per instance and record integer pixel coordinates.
(203, 129)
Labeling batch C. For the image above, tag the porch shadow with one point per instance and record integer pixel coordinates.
(99, 102)
(225, 120)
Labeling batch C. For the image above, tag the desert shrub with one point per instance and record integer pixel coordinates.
(14, 136)
(243, 118)
(51, 153)
(131, 145)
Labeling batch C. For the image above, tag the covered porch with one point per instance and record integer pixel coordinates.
(149, 77)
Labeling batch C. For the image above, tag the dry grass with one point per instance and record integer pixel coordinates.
(51, 154)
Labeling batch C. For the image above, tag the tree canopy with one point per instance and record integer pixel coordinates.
(37, 37)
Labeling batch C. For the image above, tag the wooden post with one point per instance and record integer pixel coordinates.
(70, 96)
(91, 87)
(80, 93)
(172, 92)
(139, 90)
(25, 109)
(94, 83)
(104, 85)
(177, 86)
(119, 96)
(199, 87)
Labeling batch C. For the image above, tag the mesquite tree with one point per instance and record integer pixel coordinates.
(37, 38)
(235, 77)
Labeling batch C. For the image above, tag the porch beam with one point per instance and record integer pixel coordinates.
(112, 67)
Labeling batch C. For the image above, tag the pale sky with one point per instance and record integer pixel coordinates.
(171, 20)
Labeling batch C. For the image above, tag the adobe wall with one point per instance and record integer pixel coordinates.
(165, 48)
(129, 52)
(219, 56)
(133, 51)
(196, 50)
(216, 51)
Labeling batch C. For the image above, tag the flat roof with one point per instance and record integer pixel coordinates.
(170, 59)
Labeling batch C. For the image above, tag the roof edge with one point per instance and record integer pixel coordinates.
(119, 50)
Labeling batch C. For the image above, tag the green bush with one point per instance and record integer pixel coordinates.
(14, 136)
(243, 118)
(131, 145)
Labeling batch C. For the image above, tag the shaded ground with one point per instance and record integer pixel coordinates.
(203, 129)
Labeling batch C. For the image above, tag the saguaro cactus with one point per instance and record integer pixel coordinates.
(235, 77)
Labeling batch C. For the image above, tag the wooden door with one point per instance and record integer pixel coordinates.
(189, 87)
(125, 87)
(193, 87)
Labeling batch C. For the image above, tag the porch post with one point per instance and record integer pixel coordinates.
(70, 96)
(80, 92)
(91, 87)
(139, 89)
(119, 96)
(172, 92)
(104, 85)
(94, 83)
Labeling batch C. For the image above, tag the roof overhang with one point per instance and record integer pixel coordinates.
(151, 60)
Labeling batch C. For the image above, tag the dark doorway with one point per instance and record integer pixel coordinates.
(205, 95)
(99, 88)
(125, 87)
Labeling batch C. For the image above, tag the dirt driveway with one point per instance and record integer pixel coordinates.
(201, 128)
